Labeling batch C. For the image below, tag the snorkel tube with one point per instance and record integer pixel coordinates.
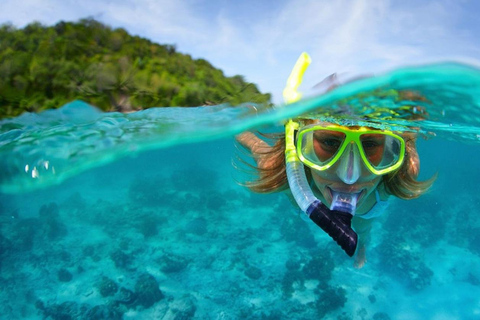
(336, 223)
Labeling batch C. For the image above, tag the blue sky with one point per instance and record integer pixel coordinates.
(261, 40)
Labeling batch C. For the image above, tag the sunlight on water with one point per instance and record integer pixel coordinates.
(151, 224)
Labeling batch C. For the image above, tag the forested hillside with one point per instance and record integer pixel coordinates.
(45, 67)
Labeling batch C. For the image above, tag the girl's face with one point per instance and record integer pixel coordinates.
(334, 179)
(349, 173)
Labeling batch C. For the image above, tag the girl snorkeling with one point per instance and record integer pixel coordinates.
(340, 176)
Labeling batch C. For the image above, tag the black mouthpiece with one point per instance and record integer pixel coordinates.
(336, 224)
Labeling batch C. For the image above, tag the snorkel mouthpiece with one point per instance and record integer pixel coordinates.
(337, 224)
(345, 202)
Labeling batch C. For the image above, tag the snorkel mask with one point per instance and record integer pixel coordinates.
(320, 147)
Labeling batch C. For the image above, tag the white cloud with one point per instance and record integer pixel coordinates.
(363, 37)
(341, 35)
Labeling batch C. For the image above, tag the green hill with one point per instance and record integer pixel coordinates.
(45, 67)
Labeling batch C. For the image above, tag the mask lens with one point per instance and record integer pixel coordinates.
(321, 146)
(381, 150)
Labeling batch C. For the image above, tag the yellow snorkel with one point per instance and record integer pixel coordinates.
(290, 93)
(336, 223)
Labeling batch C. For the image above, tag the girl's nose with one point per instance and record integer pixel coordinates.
(349, 168)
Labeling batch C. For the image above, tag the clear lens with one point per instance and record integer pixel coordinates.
(381, 150)
(321, 147)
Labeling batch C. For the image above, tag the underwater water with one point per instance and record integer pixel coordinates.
(139, 216)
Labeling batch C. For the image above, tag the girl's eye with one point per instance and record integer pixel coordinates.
(372, 141)
(330, 144)
(370, 144)
(327, 143)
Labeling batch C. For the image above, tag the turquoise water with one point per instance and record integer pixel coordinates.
(137, 216)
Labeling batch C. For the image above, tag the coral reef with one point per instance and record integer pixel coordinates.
(170, 263)
(293, 228)
(292, 279)
(102, 312)
(401, 261)
(66, 310)
(182, 308)
(126, 297)
(329, 300)
(71, 310)
(215, 201)
(381, 316)
(318, 266)
(107, 287)
(121, 259)
(253, 273)
(64, 275)
(147, 291)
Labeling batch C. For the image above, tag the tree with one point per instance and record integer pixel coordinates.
(45, 67)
